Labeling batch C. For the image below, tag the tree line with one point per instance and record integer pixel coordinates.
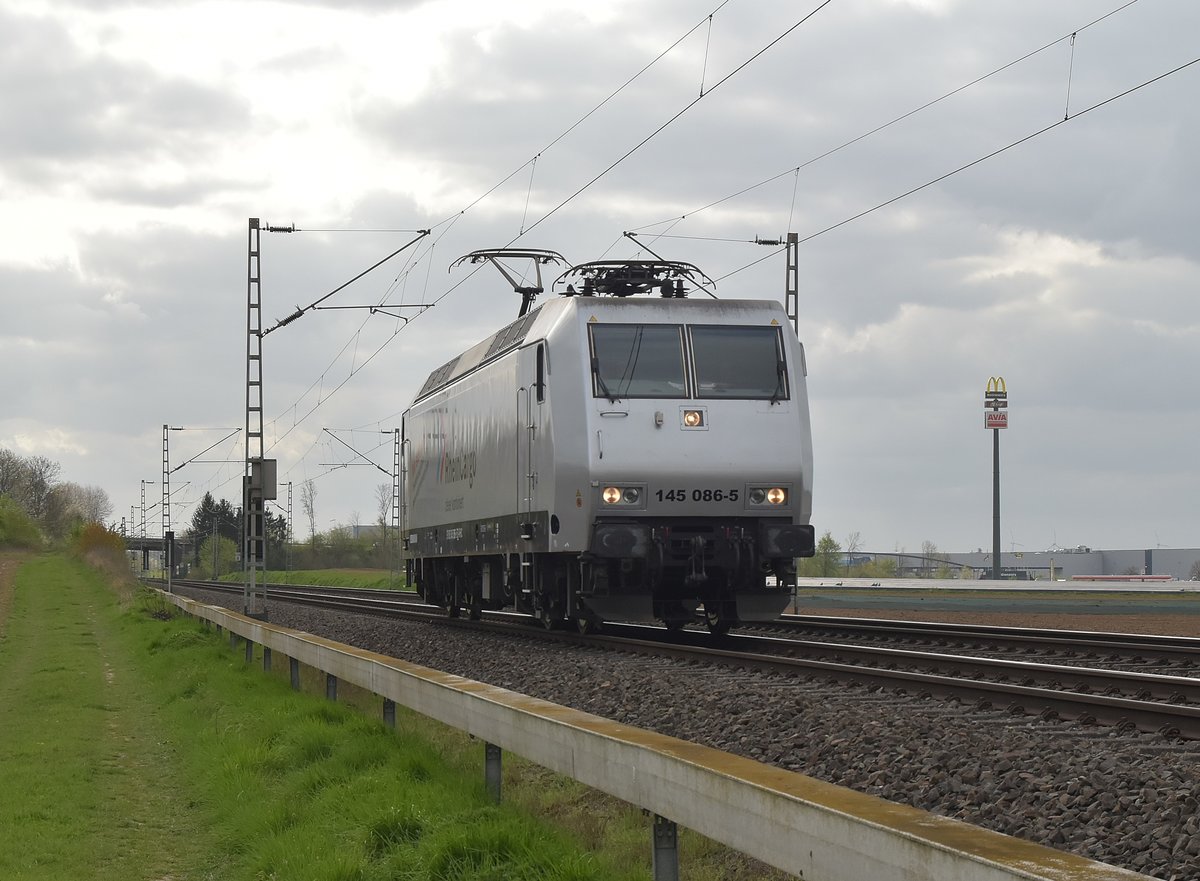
(215, 531)
(33, 494)
(832, 559)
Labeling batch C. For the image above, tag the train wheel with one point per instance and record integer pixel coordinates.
(718, 624)
(586, 625)
(674, 625)
(548, 621)
(452, 611)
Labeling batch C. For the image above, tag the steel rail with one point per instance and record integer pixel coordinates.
(1168, 717)
(1152, 645)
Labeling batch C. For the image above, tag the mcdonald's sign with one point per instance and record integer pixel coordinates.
(995, 403)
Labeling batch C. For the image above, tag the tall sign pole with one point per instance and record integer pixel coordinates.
(995, 417)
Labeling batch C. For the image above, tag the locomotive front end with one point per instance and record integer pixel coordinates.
(700, 462)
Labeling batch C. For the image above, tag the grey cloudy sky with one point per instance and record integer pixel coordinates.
(137, 138)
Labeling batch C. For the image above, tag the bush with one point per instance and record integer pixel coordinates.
(101, 548)
(17, 530)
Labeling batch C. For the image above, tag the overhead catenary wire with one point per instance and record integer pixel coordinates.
(894, 121)
(318, 383)
(300, 311)
(362, 456)
(1070, 75)
(677, 115)
(196, 457)
(971, 164)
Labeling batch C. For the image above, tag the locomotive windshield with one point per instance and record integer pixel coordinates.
(738, 362)
(649, 361)
(638, 361)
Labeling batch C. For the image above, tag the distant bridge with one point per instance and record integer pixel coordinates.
(184, 547)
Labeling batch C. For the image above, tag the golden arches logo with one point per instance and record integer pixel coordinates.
(996, 384)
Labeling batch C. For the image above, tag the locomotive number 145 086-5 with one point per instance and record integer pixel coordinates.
(697, 495)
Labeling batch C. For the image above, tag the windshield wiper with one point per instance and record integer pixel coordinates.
(778, 393)
(612, 399)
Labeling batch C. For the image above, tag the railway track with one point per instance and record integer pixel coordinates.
(1146, 649)
(1168, 704)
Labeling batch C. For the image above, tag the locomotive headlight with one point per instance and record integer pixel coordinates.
(762, 495)
(625, 496)
(693, 418)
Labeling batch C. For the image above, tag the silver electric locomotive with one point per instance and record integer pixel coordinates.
(609, 456)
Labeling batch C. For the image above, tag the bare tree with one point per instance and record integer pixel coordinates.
(60, 511)
(928, 550)
(383, 500)
(94, 504)
(853, 544)
(43, 475)
(14, 476)
(308, 504)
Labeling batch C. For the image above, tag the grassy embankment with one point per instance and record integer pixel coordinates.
(135, 747)
(379, 579)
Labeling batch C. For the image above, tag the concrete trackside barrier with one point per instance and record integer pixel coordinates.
(812, 829)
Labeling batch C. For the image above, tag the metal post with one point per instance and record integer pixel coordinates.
(792, 282)
(665, 863)
(331, 686)
(389, 713)
(169, 557)
(996, 504)
(995, 417)
(266, 659)
(397, 553)
(492, 770)
(253, 604)
(144, 482)
(166, 485)
(287, 547)
(294, 671)
(249, 651)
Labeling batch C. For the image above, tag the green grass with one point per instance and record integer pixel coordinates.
(379, 579)
(89, 787)
(139, 745)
